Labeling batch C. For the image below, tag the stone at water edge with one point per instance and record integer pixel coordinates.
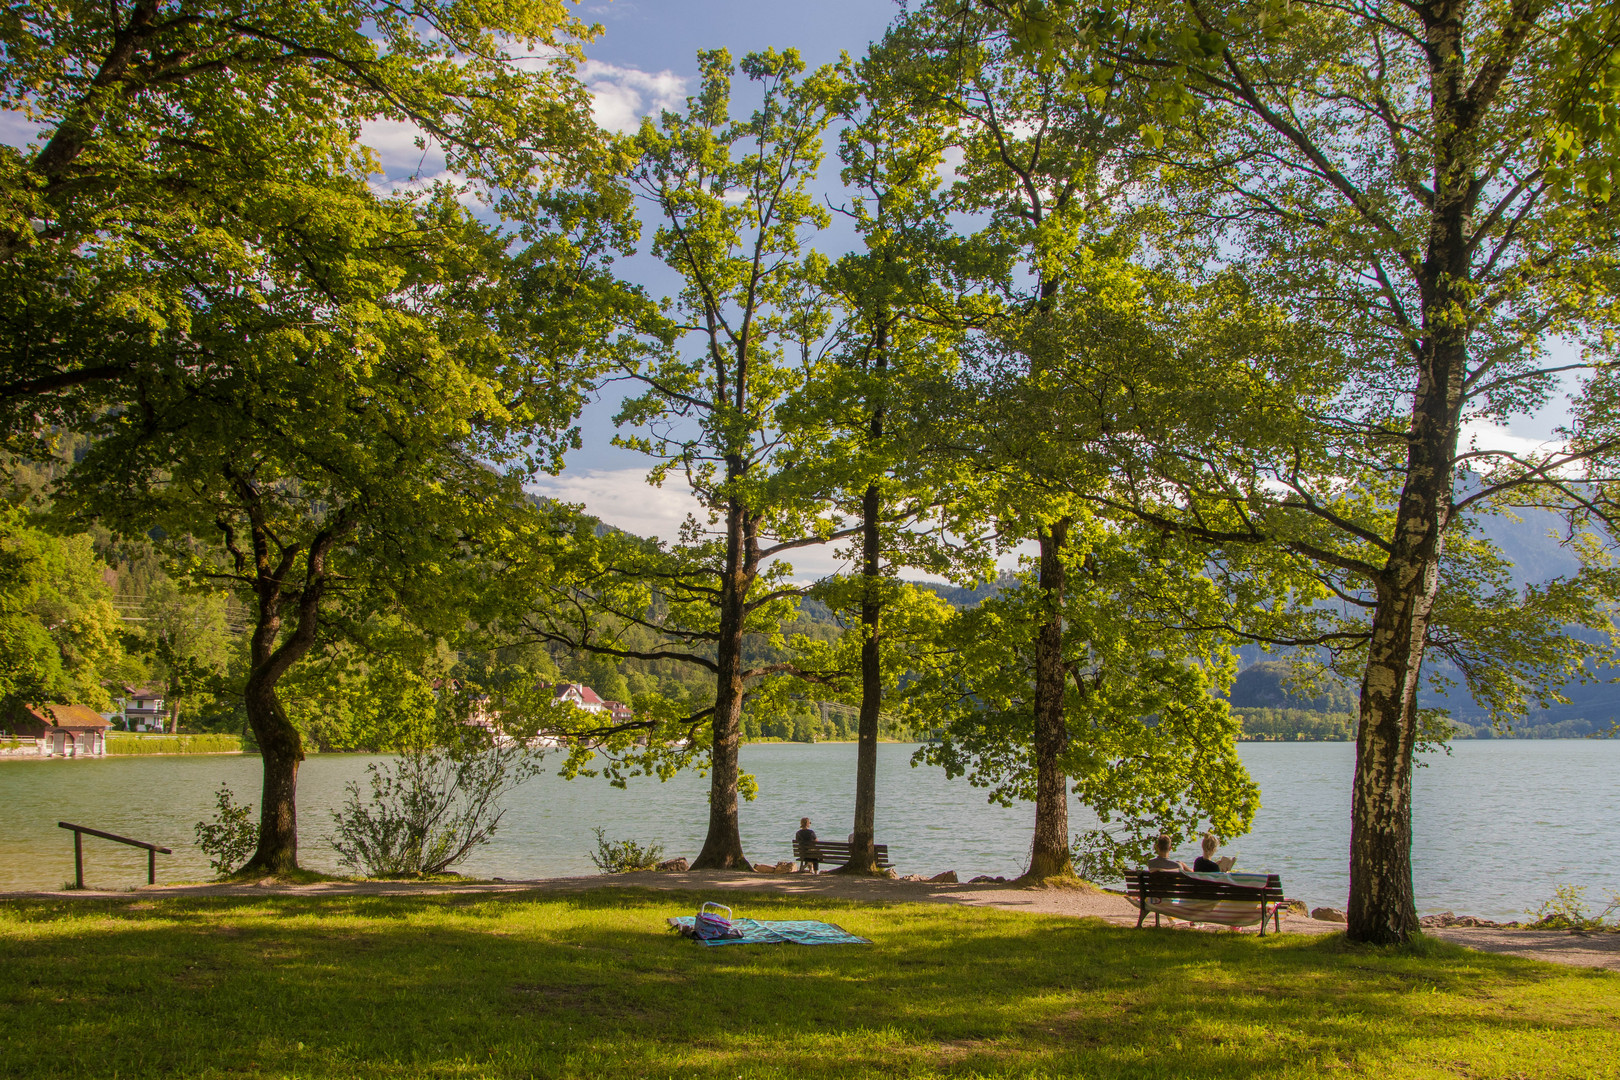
(947, 878)
(986, 879)
(1327, 914)
(785, 867)
(673, 866)
(913, 877)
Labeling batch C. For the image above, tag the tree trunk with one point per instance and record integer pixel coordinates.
(282, 749)
(1381, 908)
(863, 850)
(1049, 855)
(722, 848)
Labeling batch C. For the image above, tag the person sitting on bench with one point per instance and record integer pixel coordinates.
(1207, 863)
(806, 838)
(1161, 859)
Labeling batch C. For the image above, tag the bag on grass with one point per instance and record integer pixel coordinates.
(711, 925)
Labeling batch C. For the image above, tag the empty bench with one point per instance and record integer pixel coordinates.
(1196, 898)
(825, 851)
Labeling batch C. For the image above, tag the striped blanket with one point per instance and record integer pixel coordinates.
(1224, 912)
(760, 932)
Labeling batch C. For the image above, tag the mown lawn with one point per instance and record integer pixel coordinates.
(522, 985)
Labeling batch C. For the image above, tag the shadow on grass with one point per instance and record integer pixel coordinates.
(592, 984)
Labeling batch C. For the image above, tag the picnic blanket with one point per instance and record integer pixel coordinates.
(1224, 912)
(759, 932)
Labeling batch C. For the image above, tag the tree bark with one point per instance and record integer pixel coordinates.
(282, 749)
(270, 657)
(722, 847)
(1049, 854)
(863, 844)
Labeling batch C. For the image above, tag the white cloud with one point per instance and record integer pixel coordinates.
(394, 143)
(1484, 435)
(621, 96)
(623, 498)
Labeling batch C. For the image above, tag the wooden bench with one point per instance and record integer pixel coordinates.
(825, 851)
(1145, 885)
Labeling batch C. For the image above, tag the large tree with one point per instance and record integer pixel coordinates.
(732, 199)
(1035, 174)
(1378, 173)
(353, 440)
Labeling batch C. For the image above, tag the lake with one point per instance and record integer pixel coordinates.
(1498, 823)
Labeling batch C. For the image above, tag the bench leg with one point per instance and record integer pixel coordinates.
(1142, 908)
(1262, 918)
(1155, 920)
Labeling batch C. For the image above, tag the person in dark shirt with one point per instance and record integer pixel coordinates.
(805, 839)
(1205, 863)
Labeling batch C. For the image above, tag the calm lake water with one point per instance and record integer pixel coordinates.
(1498, 823)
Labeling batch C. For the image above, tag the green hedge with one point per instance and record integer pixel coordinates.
(129, 743)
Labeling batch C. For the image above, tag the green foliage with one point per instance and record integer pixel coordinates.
(119, 745)
(1150, 746)
(624, 856)
(59, 632)
(1296, 725)
(1568, 910)
(429, 807)
(231, 836)
(210, 138)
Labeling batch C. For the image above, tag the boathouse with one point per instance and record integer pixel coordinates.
(62, 730)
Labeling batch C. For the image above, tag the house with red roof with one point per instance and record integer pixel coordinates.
(61, 730)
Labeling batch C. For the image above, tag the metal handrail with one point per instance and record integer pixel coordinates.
(152, 851)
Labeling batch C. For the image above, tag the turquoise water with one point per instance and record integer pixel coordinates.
(1498, 823)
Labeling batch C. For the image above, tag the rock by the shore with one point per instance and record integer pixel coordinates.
(947, 878)
(1446, 918)
(986, 879)
(913, 877)
(673, 866)
(1327, 914)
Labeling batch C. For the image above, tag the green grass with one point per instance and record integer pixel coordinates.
(122, 743)
(521, 985)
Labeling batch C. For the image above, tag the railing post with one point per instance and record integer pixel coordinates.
(78, 859)
(151, 866)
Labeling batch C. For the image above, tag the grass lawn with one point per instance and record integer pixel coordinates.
(521, 985)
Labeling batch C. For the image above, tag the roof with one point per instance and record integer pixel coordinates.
(72, 717)
(587, 696)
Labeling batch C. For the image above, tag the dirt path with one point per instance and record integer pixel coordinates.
(1577, 950)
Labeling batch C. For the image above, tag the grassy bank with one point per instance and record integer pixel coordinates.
(593, 985)
(122, 743)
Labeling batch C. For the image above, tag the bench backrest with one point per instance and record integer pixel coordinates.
(1174, 885)
(829, 847)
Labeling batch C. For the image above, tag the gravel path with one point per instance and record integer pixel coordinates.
(1576, 950)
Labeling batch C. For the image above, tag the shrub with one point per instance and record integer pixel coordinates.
(625, 856)
(429, 808)
(232, 836)
(1567, 911)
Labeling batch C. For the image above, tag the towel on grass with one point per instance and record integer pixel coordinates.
(758, 932)
(1224, 912)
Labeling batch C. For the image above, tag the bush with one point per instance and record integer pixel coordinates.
(120, 744)
(1567, 911)
(429, 808)
(625, 856)
(232, 836)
